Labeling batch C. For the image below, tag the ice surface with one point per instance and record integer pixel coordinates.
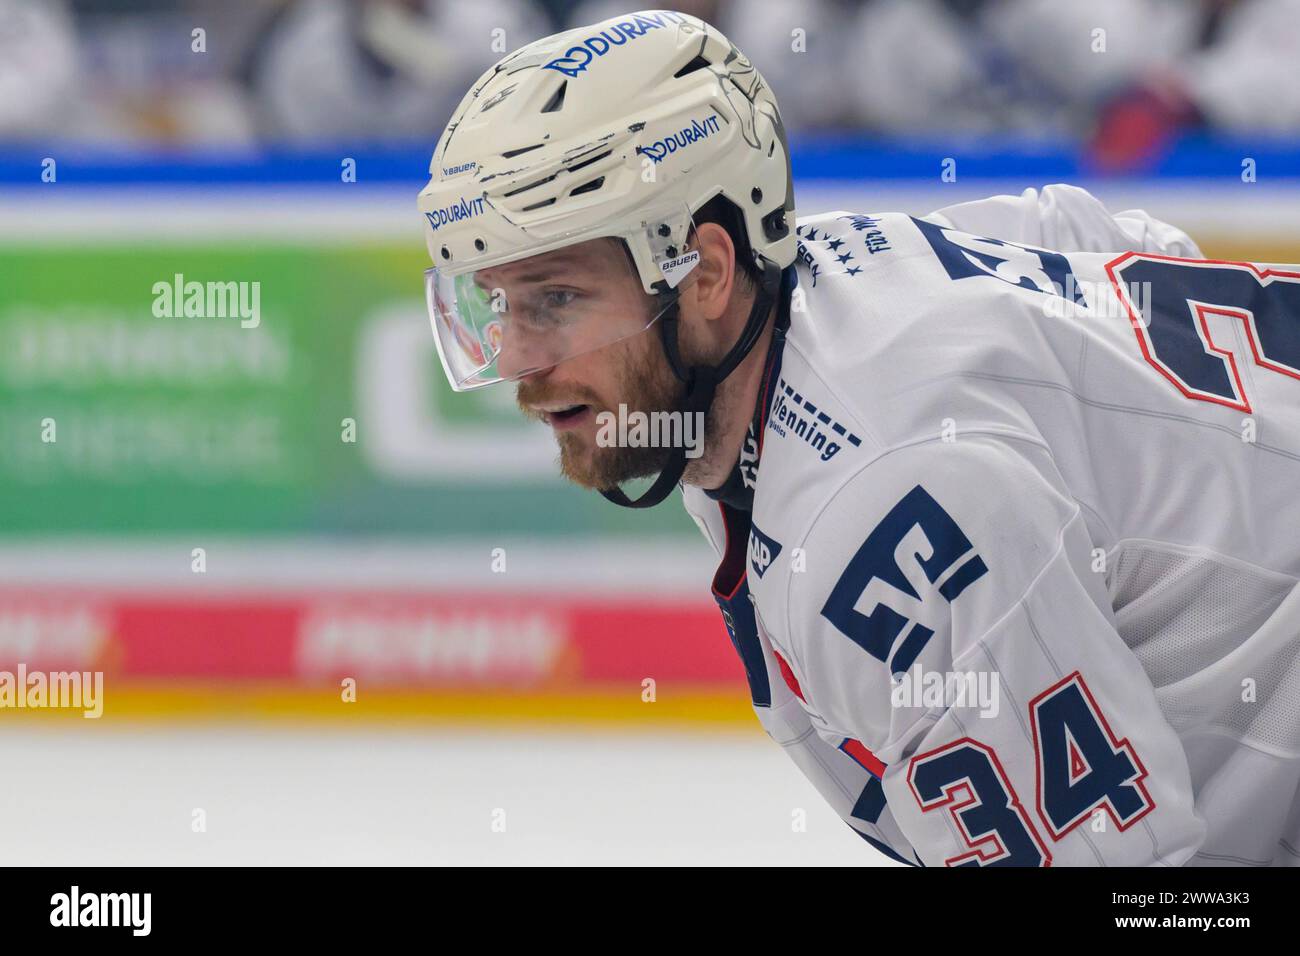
(96, 795)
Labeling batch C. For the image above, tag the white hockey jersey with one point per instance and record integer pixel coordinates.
(1019, 582)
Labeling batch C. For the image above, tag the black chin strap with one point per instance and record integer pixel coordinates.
(702, 383)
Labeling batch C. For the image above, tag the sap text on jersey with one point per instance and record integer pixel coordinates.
(579, 57)
(763, 550)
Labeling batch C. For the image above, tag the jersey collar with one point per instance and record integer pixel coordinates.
(738, 490)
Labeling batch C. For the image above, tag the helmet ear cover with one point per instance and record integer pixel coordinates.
(722, 212)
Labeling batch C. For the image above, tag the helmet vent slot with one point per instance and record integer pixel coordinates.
(511, 153)
(556, 102)
(699, 63)
(532, 185)
(538, 205)
(587, 162)
(588, 187)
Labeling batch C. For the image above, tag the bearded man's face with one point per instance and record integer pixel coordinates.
(595, 279)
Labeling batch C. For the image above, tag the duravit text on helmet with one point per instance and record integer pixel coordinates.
(680, 140)
(578, 57)
(465, 209)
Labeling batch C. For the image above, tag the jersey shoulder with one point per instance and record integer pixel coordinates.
(879, 350)
(850, 245)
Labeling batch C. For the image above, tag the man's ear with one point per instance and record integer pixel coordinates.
(715, 277)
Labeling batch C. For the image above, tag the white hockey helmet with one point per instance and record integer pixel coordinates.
(621, 130)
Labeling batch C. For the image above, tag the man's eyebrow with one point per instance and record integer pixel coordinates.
(540, 273)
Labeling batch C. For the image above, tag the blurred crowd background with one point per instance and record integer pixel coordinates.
(1122, 75)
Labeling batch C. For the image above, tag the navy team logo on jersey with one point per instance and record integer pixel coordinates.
(887, 634)
(965, 256)
(762, 550)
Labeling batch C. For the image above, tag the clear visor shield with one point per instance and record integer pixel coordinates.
(502, 322)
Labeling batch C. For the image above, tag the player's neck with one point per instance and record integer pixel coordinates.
(729, 418)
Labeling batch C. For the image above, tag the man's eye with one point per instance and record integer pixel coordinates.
(558, 298)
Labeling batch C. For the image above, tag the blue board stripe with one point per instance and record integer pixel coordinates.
(841, 158)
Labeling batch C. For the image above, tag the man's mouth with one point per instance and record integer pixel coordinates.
(564, 417)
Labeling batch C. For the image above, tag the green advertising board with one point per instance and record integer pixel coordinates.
(318, 406)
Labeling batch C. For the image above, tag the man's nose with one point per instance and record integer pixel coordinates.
(522, 355)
